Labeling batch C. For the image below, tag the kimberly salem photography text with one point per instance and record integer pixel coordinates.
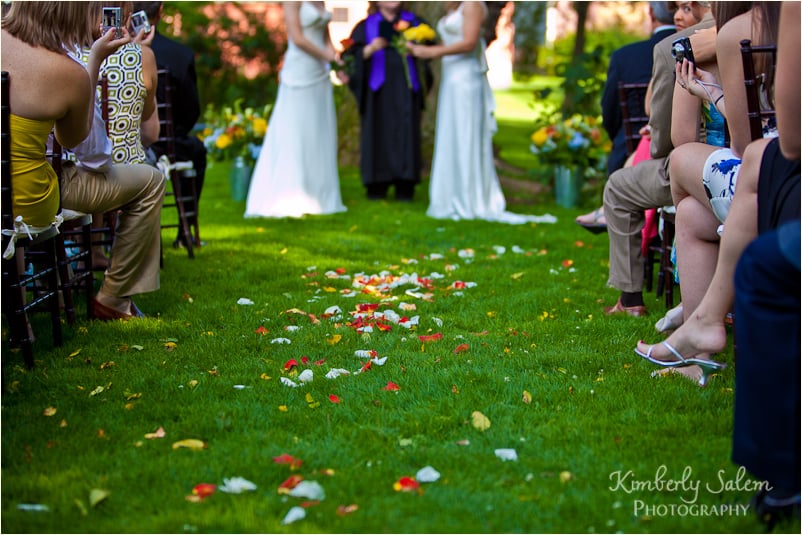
(688, 492)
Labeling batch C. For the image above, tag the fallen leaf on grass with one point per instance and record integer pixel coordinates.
(343, 510)
(50, 411)
(461, 348)
(97, 495)
(526, 397)
(189, 443)
(479, 421)
(170, 346)
(159, 433)
(310, 400)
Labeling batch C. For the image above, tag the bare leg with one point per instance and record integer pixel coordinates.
(703, 331)
(697, 249)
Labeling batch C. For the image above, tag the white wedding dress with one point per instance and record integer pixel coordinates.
(296, 172)
(463, 183)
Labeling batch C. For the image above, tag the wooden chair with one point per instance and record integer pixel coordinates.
(759, 110)
(185, 202)
(75, 236)
(23, 246)
(632, 98)
(103, 235)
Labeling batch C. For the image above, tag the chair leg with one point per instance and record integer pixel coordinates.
(182, 214)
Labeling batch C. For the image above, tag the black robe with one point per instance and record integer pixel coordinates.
(390, 144)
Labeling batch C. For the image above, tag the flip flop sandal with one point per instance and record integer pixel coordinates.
(595, 227)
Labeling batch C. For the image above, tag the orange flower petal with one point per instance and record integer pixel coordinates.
(430, 337)
(343, 510)
(204, 490)
(461, 348)
(406, 484)
(290, 483)
(392, 386)
(286, 458)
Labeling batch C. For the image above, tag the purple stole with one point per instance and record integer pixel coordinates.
(377, 59)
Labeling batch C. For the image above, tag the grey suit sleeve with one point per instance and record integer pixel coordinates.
(662, 95)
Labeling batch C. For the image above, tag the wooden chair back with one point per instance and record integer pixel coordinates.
(760, 110)
(632, 98)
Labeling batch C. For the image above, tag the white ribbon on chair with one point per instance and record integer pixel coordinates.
(21, 228)
(165, 165)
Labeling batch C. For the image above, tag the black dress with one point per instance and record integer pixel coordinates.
(391, 119)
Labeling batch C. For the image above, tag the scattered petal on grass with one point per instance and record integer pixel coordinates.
(391, 386)
(379, 361)
(310, 490)
(286, 458)
(506, 454)
(291, 328)
(526, 397)
(334, 399)
(438, 322)
(265, 377)
(365, 353)
(306, 376)
(567, 263)
(407, 484)
(430, 337)
(461, 348)
(261, 330)
(566, 476)
(343, 510)
(289, 382)
(427, 474)
(244, 301)
(42, 508)
(204, 490)
(237, 485)
(334, 339)
(280, 341)
(97, 495)
(479, 421)
(159, 433)
(96, 391)
(189, 443)
(404, 442)
(336, 372)
(290, 364)
(463, 442)
(50, 411)
(332, 311)
(282, 408)
(290, 483)
(310, 400)
(294, 514)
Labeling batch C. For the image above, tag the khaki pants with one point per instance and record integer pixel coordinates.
(137, 191)
(628, 192)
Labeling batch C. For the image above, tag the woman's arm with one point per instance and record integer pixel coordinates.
(733, 106)
(149, 130)
(685, 117)
(151, 77)
(292, 18)
(786, 85)
(474, 15)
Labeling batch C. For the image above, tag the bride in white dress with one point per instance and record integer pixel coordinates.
(463, 182)
(296, 172)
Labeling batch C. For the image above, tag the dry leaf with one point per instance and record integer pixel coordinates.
(527, 397)
(159, 433)
(97, 495)
(189, 443)
(50, 411)
(479, 421)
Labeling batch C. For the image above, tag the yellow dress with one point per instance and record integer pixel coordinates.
(34, 182)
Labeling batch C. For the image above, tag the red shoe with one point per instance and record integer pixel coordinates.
(618, 308)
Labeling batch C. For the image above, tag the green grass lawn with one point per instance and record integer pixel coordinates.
(509, 327)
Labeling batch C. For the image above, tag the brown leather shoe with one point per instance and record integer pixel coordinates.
(618, 308)
(104, 313)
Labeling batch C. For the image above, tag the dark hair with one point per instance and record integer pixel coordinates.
(724, 12)
(151, 9)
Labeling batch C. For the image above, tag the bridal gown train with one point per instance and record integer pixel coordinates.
(296, 172)
(464, 184)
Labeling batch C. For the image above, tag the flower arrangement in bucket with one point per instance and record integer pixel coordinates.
(233, 132)
(577, 148)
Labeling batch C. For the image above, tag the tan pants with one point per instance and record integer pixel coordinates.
(137, 191)
(628, 192)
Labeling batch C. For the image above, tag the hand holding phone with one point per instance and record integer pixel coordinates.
(139, 21)
(681, 49)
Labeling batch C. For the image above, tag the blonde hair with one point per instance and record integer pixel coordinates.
(52, 24)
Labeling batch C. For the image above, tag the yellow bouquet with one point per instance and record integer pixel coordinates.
(422, 33)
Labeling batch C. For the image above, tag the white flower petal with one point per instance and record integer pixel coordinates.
(427, 474)
(379, 361)
(244, 301)
(332, 310)
(437, 321)
(280, 341)
(436, 256)
(336, 372)
(499, 249)
(507, 454)
(311, 490)
(517, 250)
(236, 485)
(291, 328)
(363, 353)
(294, 514)
(306, 376)
(289, 382)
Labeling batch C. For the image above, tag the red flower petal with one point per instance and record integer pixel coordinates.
(290, 364)
(568, 263)
(304, 360)
(459, 285)
(461, 348)
(406, 484)
(392, 386)
(290, 483)
(365, 367)
(286, 458)
(320, 362)
(342, 270)
(261, 330)
(430, 337)
(203, 490)
(334, 399)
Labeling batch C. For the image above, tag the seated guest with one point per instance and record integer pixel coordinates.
(180, 61)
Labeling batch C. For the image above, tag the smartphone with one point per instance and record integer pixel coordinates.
(139, 21)
(681, 49)
(112, 18)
